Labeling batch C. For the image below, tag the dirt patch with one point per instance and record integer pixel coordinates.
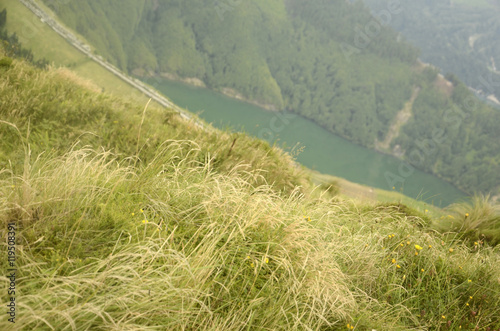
(443, 85)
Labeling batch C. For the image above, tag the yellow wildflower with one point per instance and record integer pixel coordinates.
(470, 297)
(408, 242)
(416, 253)
(398, 266)
(142, 210)
(267, 260)
(418, 247)
(422, 270)
(475, 243)
(144, 221)
(444, 317)
(430, 246)
(451, 250)
(393, 261)
(470, 281)
(466, 214)
(252, 265)
(133, 214)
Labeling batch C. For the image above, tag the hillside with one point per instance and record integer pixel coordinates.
(125, 216)
(460, 37)
(312, 58)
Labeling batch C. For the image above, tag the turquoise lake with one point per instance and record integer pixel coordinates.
(322, 151)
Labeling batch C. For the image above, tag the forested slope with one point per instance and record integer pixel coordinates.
(462, 37)
(330, 61)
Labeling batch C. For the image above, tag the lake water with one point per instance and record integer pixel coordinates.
(322, 151)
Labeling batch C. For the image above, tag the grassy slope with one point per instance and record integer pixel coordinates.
(175, 229)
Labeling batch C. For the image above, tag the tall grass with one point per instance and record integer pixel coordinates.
(185, 235)
(477, 221)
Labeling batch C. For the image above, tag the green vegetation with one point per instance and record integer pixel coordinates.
(458, 36)
(12, 45)
(330, 61)
(128, 217)
(46, 43)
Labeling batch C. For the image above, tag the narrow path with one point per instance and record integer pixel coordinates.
(401, 118)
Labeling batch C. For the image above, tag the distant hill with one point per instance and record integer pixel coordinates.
(330, 61)
(461, 37)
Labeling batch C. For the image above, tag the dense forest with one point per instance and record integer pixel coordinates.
(462, 37)
(330, 61)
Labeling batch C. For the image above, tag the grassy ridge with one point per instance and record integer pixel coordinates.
(131, 218)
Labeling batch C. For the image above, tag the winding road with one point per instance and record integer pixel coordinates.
(86, 49)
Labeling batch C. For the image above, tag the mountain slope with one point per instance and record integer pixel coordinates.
(316, 59)
(460, 37)
(132, 218)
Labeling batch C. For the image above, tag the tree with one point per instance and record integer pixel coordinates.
(3, 18)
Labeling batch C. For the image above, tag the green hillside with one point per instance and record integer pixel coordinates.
(125, 216)
(330, 61)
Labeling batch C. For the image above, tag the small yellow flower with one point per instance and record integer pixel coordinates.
(390, 236)
(248, 256)
(267, 260)
(470, 298)
(466, 214)
(443, 317)
(398, 266)
(418, 247)
(404, 276)
(13, 186)
(451, 250)
(252, 265)
(475, 243)
(394, 187)
(408, 242)
(133, 214)
(393, 261)
(416, 253)
(401, 244)
(422, 270)
(460, 267)
(144, 221)
(430, 246)
(470, 281)
(309, 219)
(142, 210)
(366, 245)
(467, 304)
(427, 210)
